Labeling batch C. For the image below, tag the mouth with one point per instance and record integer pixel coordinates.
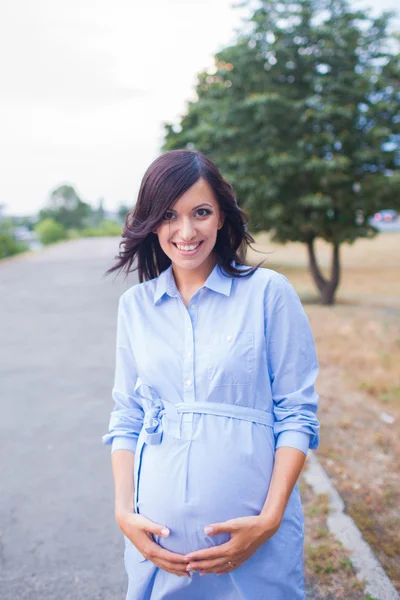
(190, 250)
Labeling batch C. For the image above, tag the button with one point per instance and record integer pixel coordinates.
(188, 381)
(189, 354)
(229, 338)
(189, 328)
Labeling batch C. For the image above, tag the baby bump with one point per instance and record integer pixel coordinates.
(222, 472)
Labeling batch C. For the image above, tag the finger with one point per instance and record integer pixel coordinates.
(224, 566)
(220, 551)
(207, 564)
(169, 557)
(164, 567)
(227, 568)
(168, 566)
(226, 527)
(148, 525)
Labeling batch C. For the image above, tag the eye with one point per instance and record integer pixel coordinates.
(206, 212)
(167, 215)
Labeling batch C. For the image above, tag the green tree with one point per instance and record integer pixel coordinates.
(106, 228)
(49, 231)
(100, 213)
(301, 114)
(66, 208)
(123, 210)
(9, 246)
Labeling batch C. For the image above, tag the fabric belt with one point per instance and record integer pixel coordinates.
(158, 412)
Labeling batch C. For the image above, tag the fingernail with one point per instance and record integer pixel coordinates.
(208, 529)
(164, 532)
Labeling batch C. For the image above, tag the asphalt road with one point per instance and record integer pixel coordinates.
(58, 537)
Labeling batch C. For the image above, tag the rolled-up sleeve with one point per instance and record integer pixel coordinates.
(126, 418)
(293, 367)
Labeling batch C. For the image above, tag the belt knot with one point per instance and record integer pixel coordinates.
(154, 410)
(152, 422)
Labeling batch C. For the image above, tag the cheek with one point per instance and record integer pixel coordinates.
(212, 232)
(164, 234)
(210, 229)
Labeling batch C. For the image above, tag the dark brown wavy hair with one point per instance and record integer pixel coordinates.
(165, 181)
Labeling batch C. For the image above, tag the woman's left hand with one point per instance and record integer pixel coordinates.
(247, 534)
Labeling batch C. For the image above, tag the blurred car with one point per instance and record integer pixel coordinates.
(386, 216)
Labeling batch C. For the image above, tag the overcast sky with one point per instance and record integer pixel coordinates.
(85, 86)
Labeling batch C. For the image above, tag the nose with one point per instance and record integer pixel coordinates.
(188, 231)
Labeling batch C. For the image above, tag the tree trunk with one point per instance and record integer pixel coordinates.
(326, 287)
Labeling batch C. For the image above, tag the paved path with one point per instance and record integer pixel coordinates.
(58, 539)
(58, 316)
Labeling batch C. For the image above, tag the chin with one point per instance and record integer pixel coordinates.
(188, 264)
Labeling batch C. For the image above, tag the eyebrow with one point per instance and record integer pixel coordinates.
(195, 207)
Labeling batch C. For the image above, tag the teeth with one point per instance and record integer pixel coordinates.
(192, 247)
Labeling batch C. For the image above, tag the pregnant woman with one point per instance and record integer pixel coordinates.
(214, 399)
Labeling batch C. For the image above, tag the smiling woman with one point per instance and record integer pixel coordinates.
(190, 230)
(215, 406)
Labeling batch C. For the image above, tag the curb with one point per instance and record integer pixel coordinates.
(342, 526)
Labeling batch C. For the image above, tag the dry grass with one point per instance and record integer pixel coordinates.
(358, 346)
(383, 250)
(370, 267)
(364, 342)
(329, 572)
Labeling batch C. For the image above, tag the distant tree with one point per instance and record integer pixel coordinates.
(65, 207)
(9, 246)
(107, 228)
(50, 231)
(123, 211)
(96, 216)
(301, 114)
(100, 213)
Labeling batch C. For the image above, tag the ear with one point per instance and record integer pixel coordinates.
(221, 221)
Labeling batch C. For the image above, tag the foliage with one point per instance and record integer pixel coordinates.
(301, 115)
(123, 211)
(96, 215)
(50, 231)
(9, 246)
(74, 234)
(66, 208)
(105, 228)
(12, 221)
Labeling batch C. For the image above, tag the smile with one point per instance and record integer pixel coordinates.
(188, 249)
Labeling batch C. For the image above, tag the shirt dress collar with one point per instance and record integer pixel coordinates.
(216, 281)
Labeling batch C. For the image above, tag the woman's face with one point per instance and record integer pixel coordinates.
(189, 228)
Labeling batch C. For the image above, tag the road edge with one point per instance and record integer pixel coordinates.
(341, 525)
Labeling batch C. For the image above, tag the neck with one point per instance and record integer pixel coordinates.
(189, 279)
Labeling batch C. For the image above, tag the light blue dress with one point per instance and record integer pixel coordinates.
(204, 396)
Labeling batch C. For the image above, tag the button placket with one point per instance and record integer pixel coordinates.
(188, 369)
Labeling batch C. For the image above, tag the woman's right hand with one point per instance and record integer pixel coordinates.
(139, 530)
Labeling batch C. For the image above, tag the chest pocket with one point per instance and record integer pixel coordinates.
(231, 358)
